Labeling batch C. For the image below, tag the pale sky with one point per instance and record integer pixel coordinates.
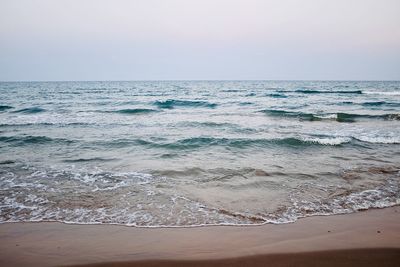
(199, 40)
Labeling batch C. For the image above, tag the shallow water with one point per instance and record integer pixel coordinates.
(196, 152)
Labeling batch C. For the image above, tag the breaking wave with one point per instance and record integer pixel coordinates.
(339, 117)
(138, 199)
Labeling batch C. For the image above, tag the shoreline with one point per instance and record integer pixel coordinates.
(200, 225)
(367, 236)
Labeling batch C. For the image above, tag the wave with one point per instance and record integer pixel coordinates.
(243, 143)
(138, 111)
(48, 124)
(291, 114)
(386, 195)
(277, 95)
(98, 159)
(6, 162)
(331, 141)
(358, 92)
(246, 103)
(379, 139)
(380, 103)
(248, 143)
(339, 117)
(171, 103)
(234, 143)
(26, 140)
(309, 91)
(5, 107)
(83, 197)
(231, 91)
(204, 142)
(209, 124)
(31, 110)
(348, 117)
(376, 103)
(347, 102)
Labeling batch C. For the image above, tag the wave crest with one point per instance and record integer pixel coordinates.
(5, 107)
(172, 103)
(133, 111)
(27, 140)
(243, 143)
(339, 117)
(31, 110)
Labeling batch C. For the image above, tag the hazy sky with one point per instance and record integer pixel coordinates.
(199, 39)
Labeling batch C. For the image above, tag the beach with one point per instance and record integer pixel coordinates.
(368, 238)
(199, 133)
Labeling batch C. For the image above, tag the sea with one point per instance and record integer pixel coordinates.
(195, 153)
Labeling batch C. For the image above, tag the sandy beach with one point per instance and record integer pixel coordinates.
(369, 238)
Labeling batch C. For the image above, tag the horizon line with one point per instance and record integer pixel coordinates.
(211, 80)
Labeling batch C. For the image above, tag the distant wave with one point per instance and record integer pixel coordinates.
(374, 103)
(231, 91)
(380, 103)
(277, 95)
(208, 124)
(87, 160)
(305, 91)
(26, 140)
(250, 94)
(31, 110)
(358, 92)
(339, 117)
(310, 91)
(246, 103)
(329, 92)
(294, 114)
(135, 111)
(347, 117)
(371, 103)
(46, 124)
(5, 107)
(171, 103)
(6, 162)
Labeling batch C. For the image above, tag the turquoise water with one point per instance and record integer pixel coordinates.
(184, 153)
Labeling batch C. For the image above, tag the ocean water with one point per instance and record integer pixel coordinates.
(188, 153)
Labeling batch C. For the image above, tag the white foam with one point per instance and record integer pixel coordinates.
(332, 141)
(394, 93)
(155, 208)
(327, 116)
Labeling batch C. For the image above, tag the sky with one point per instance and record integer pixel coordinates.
(47, 40)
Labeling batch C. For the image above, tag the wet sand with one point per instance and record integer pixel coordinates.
(370, 238)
